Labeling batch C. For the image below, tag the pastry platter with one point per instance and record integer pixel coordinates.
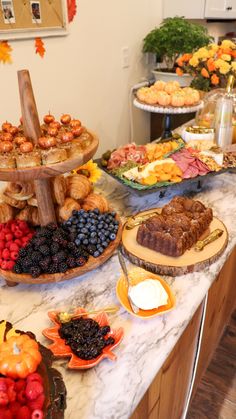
(54, 387)
(13, 279)
(190, 261)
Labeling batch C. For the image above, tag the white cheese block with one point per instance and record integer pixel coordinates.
(149, 294)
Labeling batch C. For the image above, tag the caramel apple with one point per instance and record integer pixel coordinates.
(20, 140)
(77, 131)
(66, 137)
(6, 146)
(6, 136)
(6, 125)
(26, 147)
(47, 142)
(52, 131)
(65, 119)
(74, 123)
(48, 118)
(13, 130)
(55, 124)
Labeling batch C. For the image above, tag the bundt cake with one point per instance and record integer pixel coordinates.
(179, 226)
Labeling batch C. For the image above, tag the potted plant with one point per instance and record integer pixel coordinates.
(210, 66)
(175, 36)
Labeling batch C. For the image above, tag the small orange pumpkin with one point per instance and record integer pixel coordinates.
(19, 356)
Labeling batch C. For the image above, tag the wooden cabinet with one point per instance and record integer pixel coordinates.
(201, 9)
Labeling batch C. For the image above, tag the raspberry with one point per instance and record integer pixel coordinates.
(3, 385)
(18, 242)
(14, 408)
(6, 230)
(20, 385)
(21, 398)
(35, 376)
(23, 226)
(2, 244)
(5, 414)
(10, 265)
(23, 413)
(4, 265)
(18, 234)
(9, 237)
(8, 244)
(14, 247)
(37, 414)
(11, 393)
(37, 403)
(6, 254)
(2, 236)
(14, 255)
(3, 398)
(33, 390)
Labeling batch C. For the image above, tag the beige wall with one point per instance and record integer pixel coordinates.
(82, 73)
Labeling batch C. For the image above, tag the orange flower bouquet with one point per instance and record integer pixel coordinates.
(210, 66)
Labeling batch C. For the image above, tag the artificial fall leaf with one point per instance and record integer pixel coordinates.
(39, 47)
(71, 7)
(5, 52)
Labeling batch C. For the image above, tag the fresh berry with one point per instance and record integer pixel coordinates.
(33, 390)
(37, 414)
(21, 397)
(34, 377)
(20, 385)
(9, 237)
(4, 400)
(6, 254)
(2, 244)
(3, 385)
(14, 407)
(10, 265)
(24, 413)
(2, 236)
(14, 247)
(14, 255)
(4, 265)
(37, 403)
(18, 234)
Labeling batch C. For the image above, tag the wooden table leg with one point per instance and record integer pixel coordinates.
(45, 203)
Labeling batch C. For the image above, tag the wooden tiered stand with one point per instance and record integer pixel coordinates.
(42, 176)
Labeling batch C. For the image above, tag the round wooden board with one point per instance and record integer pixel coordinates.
(12, 278)
(161, 264)
(39, 172)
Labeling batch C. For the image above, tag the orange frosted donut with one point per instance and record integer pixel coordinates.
(172, 86)
(163, 98)
(177, 99)
(159, 85)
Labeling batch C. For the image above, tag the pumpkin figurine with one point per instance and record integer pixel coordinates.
(172, 86)
(163, 98)
(159, 85)
(19, 356)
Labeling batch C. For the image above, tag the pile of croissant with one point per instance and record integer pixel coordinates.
(69, 193)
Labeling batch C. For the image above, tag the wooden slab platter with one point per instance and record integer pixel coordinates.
(42, 172)
(54, 387)
(190, 261)
(12, 278)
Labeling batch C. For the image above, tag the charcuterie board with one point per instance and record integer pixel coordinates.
(159, 263)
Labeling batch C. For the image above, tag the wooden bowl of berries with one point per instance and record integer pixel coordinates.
(85, 339)
(56, 253)
(29, 387)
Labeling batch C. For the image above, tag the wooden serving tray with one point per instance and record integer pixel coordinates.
(190, 261)
(39, 172)
(12, 278)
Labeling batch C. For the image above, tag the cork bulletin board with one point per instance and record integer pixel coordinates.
(32, 18)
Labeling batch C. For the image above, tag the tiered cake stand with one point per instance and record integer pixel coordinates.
(168, 111)
(41, 177)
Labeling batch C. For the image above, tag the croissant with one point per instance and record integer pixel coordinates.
(12, 201)
(6, 213)
(25, 214)
(20, 191)
(78, 187)
(32, 201)
(66, 210)
(59, 189)
(95, 201)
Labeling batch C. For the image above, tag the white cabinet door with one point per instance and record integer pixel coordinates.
(222, 9)
(187, 8)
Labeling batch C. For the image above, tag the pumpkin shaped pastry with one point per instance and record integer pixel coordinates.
(78, 187)
(172, 86)
(95, 200)
(177, 99)
(152, 96)
(142, 93)
(65, 211)
(163, 98)
(19, 356)
(159, 85)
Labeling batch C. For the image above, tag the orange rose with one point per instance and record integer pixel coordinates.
(233, 53)
(211, 64)
(227, 51)
(219, 53)
(186, 57)
(215, 79)
(179, 61)
(205, 73)
(179, 71)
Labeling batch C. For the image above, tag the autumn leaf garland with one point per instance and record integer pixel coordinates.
(5, 52)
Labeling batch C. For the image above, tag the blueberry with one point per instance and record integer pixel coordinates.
(100, 249)
(96, 254)
(102, 237)
(93, 234)
(84, 230)
(88, 225)
(96, 211)
(104, 244)
(81, 236)
(99, 241)
(99, 226)
(113, 213)
(80, 225)
(81, 211)
(112, 236)
(85, 242)
(86, 215)
(106, 233)
(92, 229)
(75, 221)
(93, 240)
(78, 242)
(68, 223)
(105, 225)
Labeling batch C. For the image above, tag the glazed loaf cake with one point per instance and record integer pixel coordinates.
(179, 226)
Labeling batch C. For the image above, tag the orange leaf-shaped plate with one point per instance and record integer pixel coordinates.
(60, 349)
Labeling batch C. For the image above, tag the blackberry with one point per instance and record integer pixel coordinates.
(18, 268)
(76, 253)
(72, 246)
(23, 252)
(71, 262)
(81, 261)
(55, 247)
(38, 241)
(52, 226)
(36, 256)
(26, 262)
(45, 250)
(44, 232)
(62, 267)
(53, 268)
(44, 264)
(61, 256)
(109, 341)
(35, 271)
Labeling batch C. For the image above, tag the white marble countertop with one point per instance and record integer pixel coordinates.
(113, 389)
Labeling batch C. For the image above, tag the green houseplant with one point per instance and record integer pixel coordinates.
(175, 36)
